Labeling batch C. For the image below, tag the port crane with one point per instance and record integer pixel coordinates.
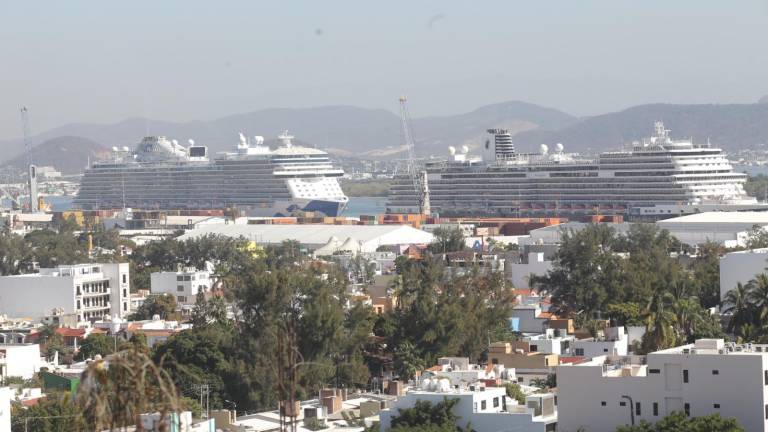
(34, 205)
(418, 178)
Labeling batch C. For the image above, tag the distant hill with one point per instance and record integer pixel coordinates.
(344, 130)
(731, 127)
(763, 100)
(69, 154)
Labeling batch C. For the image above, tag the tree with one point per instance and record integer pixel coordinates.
(706, 273)
(407, 362)
(206, 311)
(53, 413)
(757, 238)
(96, 343)
(736, 302)
(679, 422)
(447, 240)
(424, 416)
(514, 391)
(163, 305)
(660, 321)
(758, 295)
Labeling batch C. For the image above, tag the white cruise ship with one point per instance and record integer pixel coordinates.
(162, 174)
(659, 177)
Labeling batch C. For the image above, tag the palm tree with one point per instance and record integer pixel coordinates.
(758, 294)
(736, 302)
(659, 322)
(689, 316)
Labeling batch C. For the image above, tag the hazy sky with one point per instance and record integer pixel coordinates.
(97, 61)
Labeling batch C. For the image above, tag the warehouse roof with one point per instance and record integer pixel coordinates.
(317, 234)
(755, 218)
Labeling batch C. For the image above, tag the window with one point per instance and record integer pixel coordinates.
(180, 288)
(687, 409)
(766, 412)
(179, 278)
(716, 406)
(519, 379)
(580, 352)
(637, 408)
(181, 299)
(79, 292)
(765, 377)
(495, 360)
(125, 278)
(603, 403)
(495, 402)
(622, 403)
(654, 371)
(187, 278)
(715, 372)
(78, 304)
(605, 349)
(125, 292)
(685, 375)
(534, 348)
(125, 307)
(475, 406)
(482, 406)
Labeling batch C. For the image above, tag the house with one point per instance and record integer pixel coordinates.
(551, 342)
(531, 319)
(614, 341)
(485, 409)
(706, 377)
(89, 291)
(184, 284)
(536, 265)
(528, 366)
(20, 360)
(459, 370)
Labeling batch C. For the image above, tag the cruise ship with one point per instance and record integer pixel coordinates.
(657, 178)
(162, 174)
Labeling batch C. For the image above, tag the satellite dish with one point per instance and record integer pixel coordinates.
(175, 142)
(464, 149)
(544, 149)
(126, 149)
(191, 142)
(559, 147)
(114, 149)
(451, 150)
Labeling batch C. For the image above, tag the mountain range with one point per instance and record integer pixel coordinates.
(375, 133)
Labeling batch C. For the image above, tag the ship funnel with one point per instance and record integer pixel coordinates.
(503, 146)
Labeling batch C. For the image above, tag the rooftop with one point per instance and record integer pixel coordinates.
(757, 218)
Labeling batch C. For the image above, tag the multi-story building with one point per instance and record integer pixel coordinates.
(707, 377)
(20, 360)
(740, 267)
(89, 291)
(485, 409)
(184, 284)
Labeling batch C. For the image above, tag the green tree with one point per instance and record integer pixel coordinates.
(515, 392)
(679, 422)
(447, 240)
(96, 343)
(206, 311)
(758, 295)
(706, 274)
(407, 361)
(163, 305)
(53, 413)
(736, 303)
(424, 416)
(757, 238)
(660, 322)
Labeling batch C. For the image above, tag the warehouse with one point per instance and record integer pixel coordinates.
(368, 237)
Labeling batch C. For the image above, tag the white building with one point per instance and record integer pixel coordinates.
(741, 266)
(730, 229)
(615, 342)
(520, 273)
(699, 379)
(184, 284)
(549, 342)
(459, 370)
(90, 291)
(20, 360)
(485, 409)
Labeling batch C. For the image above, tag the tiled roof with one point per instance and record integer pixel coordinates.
(70, 332)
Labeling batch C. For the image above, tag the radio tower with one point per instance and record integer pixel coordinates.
(419, 179)
(34, 206)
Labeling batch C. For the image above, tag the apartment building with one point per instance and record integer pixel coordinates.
(184, 284)
(484, 409)
(703, 378)
(88, 291)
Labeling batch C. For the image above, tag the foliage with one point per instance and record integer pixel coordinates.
(514, 391)
(757, 186)
(679, 422)
(447, 240)
(163, 305)
(56, 412)
(424, 416)
(547, 383)
(314, 424)
(757, 238)
(207, 311)
(96, 343)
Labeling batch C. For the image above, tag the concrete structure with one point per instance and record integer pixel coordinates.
(184, 284)
(727, 228)
(530, 318)
(368, 237)
(459, 370)
(90, 291)
(550, 342)
(703, 378)
(741, 266)
(20, 360)
(504, 353)
(615, 342)
(485, 409)
(536, 265)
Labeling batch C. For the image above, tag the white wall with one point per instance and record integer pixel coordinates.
(21, 360)
(520, 273)
(741, 266)
(168, 283)
(738, 388)
(120, 287)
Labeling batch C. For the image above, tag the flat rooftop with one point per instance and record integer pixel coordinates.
(746, 217)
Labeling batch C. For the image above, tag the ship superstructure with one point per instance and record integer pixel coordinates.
(163, 174)
(657, 177)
